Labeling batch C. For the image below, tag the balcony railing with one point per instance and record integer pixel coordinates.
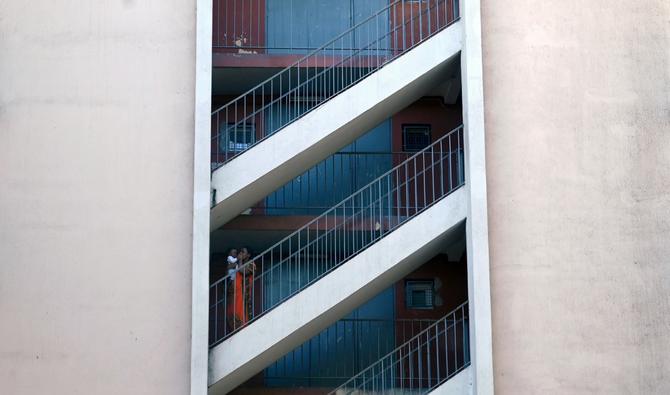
(283, 26)
(421, 364)
(239, 24)
(337, 235)
(325, 72)
(340, 351)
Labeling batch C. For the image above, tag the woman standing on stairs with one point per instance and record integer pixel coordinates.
(235, 316)
(247, 268)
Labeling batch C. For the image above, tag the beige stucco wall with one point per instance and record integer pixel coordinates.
(577, 97)
(96, 196)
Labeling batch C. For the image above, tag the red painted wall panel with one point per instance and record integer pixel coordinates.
(441, 118)
(451, 278)
(412, 21)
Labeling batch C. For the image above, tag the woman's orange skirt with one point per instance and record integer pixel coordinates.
(239, 295)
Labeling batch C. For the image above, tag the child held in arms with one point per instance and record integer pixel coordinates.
(232, 263)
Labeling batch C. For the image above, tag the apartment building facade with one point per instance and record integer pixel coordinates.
(438, 196)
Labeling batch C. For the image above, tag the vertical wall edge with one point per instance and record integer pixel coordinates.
(201, 193)
(479, 285)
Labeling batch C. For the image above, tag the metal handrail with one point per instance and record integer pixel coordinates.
(324, 73)
(344, 348)
(343, 34)
(244, 29)
(422, 363)
(249, 35)
(312, 193)
(315, 51)
(335, 236)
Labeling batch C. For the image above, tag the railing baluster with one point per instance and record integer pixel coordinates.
(234, 21)
(218, 22)
(428, 357)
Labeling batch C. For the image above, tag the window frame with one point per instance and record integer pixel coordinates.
(423, 285)
(407, 126)
(224, 144)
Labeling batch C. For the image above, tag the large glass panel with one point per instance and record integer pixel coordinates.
(341, 350)
(298, 26)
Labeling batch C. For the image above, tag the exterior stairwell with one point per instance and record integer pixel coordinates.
(327, 99)
(435, 360)
(336, 262)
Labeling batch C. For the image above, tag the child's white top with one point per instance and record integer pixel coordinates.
(231, 272)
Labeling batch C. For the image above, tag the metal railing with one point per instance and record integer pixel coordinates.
(421, 364)
(335, 236)
(239, 24)
(328, 182)
(280, 26)
(325, 72)
(341, 350)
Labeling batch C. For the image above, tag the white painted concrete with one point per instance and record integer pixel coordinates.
(270, 164)
(461, 384)
(479, 292)
(201, 198)
(96, 196)
(312, 310)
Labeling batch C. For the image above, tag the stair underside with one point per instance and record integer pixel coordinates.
(460, 384)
